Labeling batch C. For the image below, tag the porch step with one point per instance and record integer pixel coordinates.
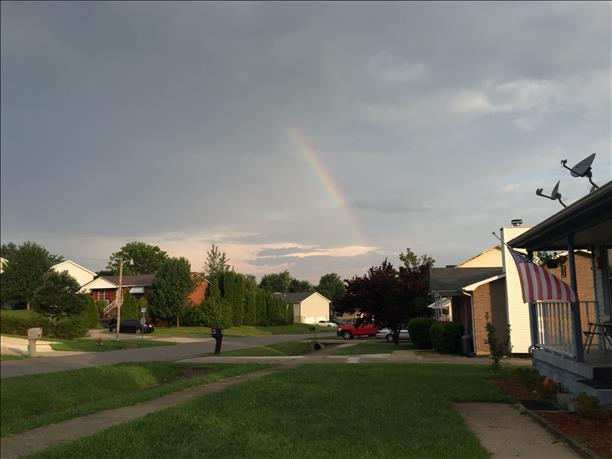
(602, 378)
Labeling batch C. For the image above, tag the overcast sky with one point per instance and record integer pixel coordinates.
(313, 137)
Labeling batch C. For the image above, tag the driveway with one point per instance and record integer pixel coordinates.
(183, 351)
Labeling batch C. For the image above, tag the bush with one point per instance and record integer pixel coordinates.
(193, 317)
(70, 328)
(15, 325)
(446, 337)
(129, 309)
(419, 332)
(91, 317)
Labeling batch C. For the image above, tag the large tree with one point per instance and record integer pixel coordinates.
(216, 262)
(146, 259)
(413, 261)
(24, 272)
(387, 297)
(170, 290)
(276, 282)
(296, 285)
(59, 296)
(331, 287)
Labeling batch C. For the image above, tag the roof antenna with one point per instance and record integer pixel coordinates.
(555, 195)
(582, 169)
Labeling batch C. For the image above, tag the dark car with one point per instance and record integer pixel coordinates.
(130, 326)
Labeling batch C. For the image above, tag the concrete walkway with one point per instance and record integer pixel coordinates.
(506, 433)
(32, 441)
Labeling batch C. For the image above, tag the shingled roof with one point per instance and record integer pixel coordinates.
(450, 281)
(139, 280)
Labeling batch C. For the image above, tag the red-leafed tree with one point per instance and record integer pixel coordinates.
(388, 297)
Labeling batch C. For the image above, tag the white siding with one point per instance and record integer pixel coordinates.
(313, 309)
(518, 311)
(98, 283)
(82, 275)
(487, 259)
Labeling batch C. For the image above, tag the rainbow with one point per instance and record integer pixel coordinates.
(312, 157)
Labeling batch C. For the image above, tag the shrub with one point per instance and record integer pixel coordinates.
(91, 317)
(70, 328)
(15, 325)
(588, 407)
(129, 308)
(498, 349)
(446, 337)
(101, 305)
(193, 317)
(419, 332)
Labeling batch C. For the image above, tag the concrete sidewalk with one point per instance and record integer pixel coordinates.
(506, 433)
(32, 441)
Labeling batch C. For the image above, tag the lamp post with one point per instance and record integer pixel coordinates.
(119, 299)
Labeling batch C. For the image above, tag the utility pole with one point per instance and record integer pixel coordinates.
(119, 299)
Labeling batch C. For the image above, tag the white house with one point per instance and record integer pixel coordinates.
(308, 307)
(81, 274)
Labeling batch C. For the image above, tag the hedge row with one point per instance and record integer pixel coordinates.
(443, 337)
(68, 328)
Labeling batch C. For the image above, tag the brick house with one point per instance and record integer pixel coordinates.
(478, 292)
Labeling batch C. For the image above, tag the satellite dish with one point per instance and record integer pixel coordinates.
(582, 169)
(555, 195)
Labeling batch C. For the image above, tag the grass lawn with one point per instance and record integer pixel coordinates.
(312, 411)
(37, 400)
(12, 357)
(90, 345)
(278, 349)
(374, 347)
(245, 330)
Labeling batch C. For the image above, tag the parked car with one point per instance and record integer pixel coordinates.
(130, 326)
(386, 334)
(323, 323)
(348, 331)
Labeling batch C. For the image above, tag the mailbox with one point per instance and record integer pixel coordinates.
(34, 333)
(217, 334)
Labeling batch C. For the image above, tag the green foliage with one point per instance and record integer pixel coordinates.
(446, 337)
(24, 273)
(129, 308)
(170, 290)
(419, 332)
(91, 315)
(101, 305)
(8, 250)
(276, 282)
(216, 263)
(296, 285)
(497, 349)
(70, 328)
(331, 287)
(250, 308)
(218, 313)
(147, 259)
(588, 406)
(412, 261)
(59, 296)
(12, 324)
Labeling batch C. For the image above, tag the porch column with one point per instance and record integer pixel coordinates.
(576, 323)
(533, 314)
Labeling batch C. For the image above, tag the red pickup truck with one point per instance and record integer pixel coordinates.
(347, 331)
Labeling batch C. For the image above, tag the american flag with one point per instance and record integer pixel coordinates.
(538, 284)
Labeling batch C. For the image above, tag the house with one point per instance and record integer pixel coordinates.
(82, 275)
(476, 290)
(308, 307)
(558, 329)
(105, 288)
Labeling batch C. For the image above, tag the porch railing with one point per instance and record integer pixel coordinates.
(554, 325)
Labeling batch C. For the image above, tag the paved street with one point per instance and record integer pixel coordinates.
(184, 351)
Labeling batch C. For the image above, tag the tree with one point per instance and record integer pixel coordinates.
(498, 349)
(8, 250)
(412, 261)
(24, 273)
(129, 308)
(170, 290)
(59, 296)
(146, 259)
(331, 287)
(91, 315)
(216, 262)
(217, 310)
(276, 282)
(296, 285)
(387, 297)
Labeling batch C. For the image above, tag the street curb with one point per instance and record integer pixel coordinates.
(576, 446)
